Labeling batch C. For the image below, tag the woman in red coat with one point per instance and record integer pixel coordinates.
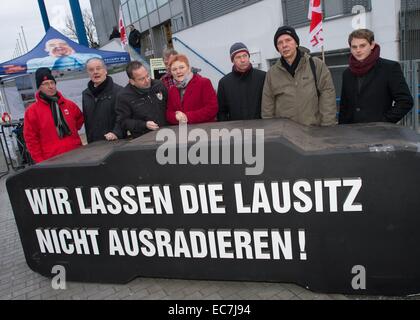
(192, 100)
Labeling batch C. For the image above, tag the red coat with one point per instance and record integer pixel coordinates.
(40, 133)
(199, 103)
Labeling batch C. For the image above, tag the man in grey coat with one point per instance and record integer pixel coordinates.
(298, 87)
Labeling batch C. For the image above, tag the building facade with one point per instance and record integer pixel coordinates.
(205, 29)
(106, 16)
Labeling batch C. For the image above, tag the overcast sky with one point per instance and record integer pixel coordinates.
(17, 13)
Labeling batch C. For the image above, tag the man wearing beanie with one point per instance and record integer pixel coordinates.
(374, 89)
(52, 122)
(239, 93)
(298, 87)
(99, 104)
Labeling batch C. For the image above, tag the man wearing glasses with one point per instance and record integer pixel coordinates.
(141, 105)
(52, 123)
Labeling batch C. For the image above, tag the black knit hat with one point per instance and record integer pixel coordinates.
(41, 75)
(286, 30)
(236, 48)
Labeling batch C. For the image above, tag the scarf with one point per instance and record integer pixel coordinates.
(61, 125)
(96, 91)
(361, 68)
(292, 68)
(184, 83)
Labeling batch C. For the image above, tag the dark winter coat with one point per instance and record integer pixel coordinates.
(135, 109)
(240, 94)
(134, 39)
(382, 86)
(99, 112)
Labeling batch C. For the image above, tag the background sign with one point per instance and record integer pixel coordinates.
(158, 69)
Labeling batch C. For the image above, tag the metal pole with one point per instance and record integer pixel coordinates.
(19, 49)
(78, 22)
(21, 43)
(44, 15)
(24, 38)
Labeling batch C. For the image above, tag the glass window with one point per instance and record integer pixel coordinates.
(126, 14)
(177, 23)
(151, 5)
(133, 10)
(295, 12)
(161, 2)
(333, 8)
(141, 6)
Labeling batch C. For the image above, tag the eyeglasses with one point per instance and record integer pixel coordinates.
(144, 78)
(49, 83)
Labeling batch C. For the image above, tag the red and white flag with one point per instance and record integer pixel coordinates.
(123, 34)
(316, 31)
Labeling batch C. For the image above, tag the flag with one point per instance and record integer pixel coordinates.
(316, 31)
(123, 34)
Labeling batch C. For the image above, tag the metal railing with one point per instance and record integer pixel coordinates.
(199, 55)
(412, 75)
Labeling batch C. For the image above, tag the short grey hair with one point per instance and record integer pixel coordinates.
(97, 59)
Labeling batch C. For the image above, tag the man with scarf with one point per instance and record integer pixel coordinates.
(141, 105)
(374, 89)
(298, 87)
(52, 122)
(239, 93)
(99, 101)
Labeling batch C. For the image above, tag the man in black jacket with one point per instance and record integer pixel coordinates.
(374, 89)
(141, 105)
(99, 104)
(134, 39)
(240, 92)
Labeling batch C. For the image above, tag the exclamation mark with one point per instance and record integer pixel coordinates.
(302, 243)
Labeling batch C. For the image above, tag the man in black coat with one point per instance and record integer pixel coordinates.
(115, 34)
(99, 101)
(141, 105)
(374, 89)
(134, 39)
(240, 92)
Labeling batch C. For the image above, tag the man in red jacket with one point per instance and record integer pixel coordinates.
(52, 122)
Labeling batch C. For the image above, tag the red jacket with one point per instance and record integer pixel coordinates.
(199, 103)
(40, 133)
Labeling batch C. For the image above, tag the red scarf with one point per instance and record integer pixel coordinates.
(361, 68)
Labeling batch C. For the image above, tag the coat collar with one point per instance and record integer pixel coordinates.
(303, 61)
(108, 87)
